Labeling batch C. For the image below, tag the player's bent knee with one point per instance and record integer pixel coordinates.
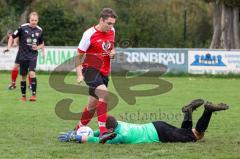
(91, 105)
(32, 74)
(102, 96)
(198, 135)
(102, 92)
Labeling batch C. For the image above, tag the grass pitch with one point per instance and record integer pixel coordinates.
(30, 130)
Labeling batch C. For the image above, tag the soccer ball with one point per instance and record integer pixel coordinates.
(85, 131)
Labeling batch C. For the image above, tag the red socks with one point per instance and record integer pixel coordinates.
(14, 75)
(86, 116)
(29, 80)
(102, 116)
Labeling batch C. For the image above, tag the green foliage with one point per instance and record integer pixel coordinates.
(60, 24)
(155, 23)
(19, 6)
(8, 21)
(145, 23)
(198, 24)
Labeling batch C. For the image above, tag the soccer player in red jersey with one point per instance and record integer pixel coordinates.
(95, 50)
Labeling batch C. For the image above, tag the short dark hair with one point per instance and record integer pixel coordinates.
(111, 122)
(108, 13)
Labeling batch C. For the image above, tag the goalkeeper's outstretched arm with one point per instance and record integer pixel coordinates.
(72, 136)
(108, 139)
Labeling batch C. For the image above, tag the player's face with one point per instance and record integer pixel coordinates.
(107, 24)
(33, 21)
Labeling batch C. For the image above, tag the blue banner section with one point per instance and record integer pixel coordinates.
(214, 61)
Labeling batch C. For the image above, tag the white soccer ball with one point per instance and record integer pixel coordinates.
(85, 131)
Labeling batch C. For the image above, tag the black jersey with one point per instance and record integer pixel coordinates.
(28, 36)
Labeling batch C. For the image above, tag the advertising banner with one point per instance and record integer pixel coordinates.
(54, 57)
(214, 61)
(130, 59)
(7, 59)
(139, 59)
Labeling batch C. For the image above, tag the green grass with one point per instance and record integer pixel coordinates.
(29, 130)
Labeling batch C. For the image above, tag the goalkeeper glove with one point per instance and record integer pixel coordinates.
(107, 136)
(69, 136)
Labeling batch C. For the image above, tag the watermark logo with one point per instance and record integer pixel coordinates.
(122, 83)
(143, 116)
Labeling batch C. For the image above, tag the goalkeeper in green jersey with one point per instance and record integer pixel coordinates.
(158, 131)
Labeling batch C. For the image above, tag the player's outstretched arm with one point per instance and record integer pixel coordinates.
(67, 136)
(15, 42)
(43, 51)
(72, 136)
(78, 64)
(10, 41)
(38, 47)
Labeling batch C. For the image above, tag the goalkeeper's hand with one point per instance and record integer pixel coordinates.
(107, 136)
(67, 136)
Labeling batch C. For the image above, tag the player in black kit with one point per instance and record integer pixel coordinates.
(30, 41)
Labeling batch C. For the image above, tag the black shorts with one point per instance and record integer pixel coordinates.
(169, 133)
(93, 79)
(27, 65)
(17, 61)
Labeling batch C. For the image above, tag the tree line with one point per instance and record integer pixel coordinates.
(141, 23)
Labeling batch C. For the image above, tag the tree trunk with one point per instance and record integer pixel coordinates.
(226, 27)
(217, 14)
(3, 2)
(236, 27)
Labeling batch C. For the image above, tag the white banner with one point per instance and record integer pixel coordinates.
(213, 62)
(56, 56)
(7, 59)
(199, 61)
(53, 58)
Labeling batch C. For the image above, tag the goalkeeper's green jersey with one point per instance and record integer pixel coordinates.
(128, 133)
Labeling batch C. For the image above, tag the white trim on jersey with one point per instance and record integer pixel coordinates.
(29, 25)
(86, 39)
(39, 27)
(25, 24)
(15, 32)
